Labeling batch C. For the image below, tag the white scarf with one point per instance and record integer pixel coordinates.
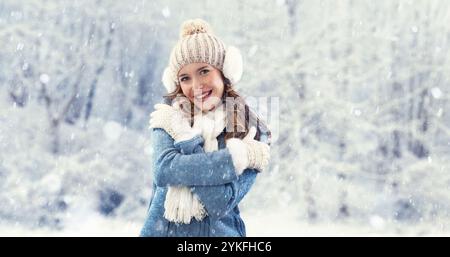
(181, 205)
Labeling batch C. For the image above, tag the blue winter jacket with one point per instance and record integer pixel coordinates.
(211, 176)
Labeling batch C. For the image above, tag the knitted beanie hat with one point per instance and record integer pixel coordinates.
(198, 44)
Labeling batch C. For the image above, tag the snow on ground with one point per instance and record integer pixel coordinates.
(271, 224)
(274, 224)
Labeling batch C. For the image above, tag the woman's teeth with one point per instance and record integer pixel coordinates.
(204, 95)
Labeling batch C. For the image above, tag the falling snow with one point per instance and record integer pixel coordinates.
(357, 92)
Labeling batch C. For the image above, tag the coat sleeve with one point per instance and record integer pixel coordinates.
(186, 164)
(221, 199)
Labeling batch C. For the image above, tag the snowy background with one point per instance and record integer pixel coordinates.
(359, 106)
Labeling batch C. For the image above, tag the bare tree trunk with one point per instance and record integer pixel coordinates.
(291, 6)
(310, 202)
(18, 91)
(55, 136)
(55, 119)
(343, 211)
(98, 72)
(343, 207)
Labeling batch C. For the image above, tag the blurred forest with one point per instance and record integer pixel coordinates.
(356, 94)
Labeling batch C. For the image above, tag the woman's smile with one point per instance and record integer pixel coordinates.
(203, 95)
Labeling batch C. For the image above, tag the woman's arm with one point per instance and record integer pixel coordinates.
(219, 200)
(174, 165)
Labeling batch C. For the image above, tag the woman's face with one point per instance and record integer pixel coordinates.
(202, 84)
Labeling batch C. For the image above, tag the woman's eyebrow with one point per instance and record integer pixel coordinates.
(197, 70)
(202, 68)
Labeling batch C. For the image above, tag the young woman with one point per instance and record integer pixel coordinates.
(208, 146)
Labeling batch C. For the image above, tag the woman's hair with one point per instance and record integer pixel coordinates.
(240, 118)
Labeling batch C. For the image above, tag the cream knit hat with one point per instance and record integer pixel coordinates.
(197, 43)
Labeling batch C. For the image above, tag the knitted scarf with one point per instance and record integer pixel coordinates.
(181, 205)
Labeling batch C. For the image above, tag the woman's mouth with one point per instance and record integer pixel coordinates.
(204, 95)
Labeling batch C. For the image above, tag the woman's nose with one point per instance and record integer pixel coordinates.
(197, 84)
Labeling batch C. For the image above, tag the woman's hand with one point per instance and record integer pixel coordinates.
(173, 122)
(248, 152)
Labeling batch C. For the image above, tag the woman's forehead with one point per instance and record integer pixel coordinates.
(192, 67)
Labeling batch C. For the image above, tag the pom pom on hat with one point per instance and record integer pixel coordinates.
(195, 26)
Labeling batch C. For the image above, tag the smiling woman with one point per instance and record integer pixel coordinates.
(202, 84)
(206, 156)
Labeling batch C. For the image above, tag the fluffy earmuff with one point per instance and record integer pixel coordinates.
(233, 64)
(167, 80)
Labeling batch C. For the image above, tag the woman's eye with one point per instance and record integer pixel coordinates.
(205, 71)
(184, 78)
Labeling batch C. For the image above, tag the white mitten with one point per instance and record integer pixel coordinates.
(248, 153)
(173, 122)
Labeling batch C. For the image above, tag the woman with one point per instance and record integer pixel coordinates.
(207, 145)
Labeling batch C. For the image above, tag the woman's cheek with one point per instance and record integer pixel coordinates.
(186, 91)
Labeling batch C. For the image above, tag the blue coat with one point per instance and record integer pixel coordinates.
(211, 176)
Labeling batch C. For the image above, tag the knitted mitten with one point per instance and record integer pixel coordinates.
(173, 122)
(248, 153)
